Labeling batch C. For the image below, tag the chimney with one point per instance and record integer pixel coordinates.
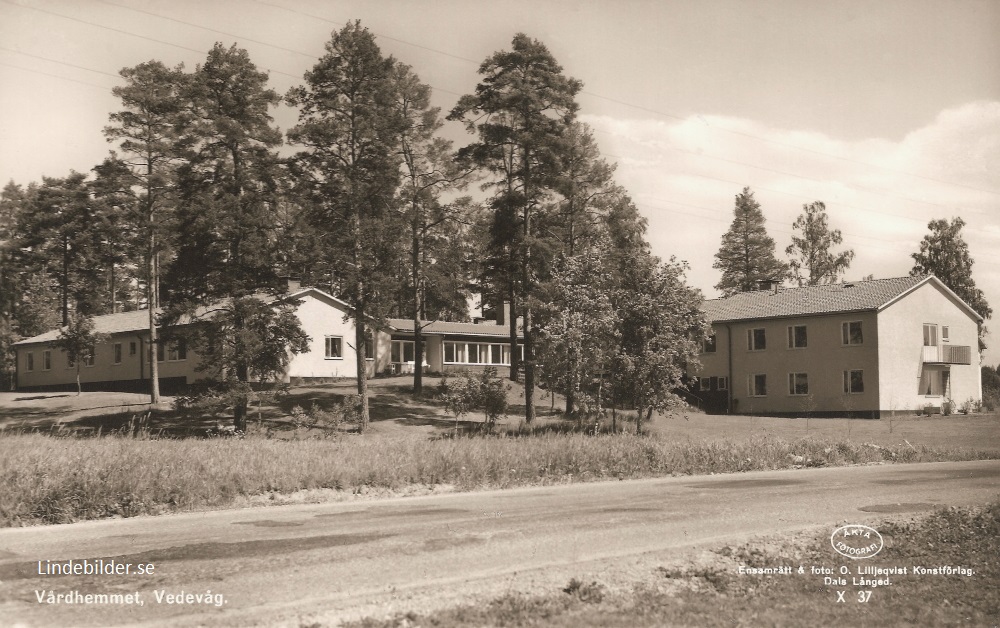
(294, 284)
(503, 314)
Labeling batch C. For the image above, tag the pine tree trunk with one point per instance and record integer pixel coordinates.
(418, 346)
(154, 368)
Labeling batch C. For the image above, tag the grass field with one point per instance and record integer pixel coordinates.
(714, 593)
(153, 460)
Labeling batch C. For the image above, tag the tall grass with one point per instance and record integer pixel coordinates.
(47, 479)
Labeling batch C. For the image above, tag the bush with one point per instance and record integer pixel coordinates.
(486, 392)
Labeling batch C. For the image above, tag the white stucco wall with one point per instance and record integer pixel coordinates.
(322, 317)
(901, 346)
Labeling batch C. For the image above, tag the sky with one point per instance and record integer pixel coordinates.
(888, 112)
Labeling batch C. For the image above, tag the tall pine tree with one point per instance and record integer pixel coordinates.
(350, 124)
(521, 112)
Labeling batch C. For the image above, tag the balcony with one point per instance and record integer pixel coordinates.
(948, 354)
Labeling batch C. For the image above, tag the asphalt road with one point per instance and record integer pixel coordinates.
(278, 565)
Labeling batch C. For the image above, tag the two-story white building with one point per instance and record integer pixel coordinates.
(862, 348)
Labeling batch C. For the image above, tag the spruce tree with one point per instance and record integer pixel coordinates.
(746, 257)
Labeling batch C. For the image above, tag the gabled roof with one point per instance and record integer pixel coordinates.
(491, 330)
(138, 320)
(857, 296)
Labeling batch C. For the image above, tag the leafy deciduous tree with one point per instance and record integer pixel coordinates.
(945, 254)
(78, 339)
(812, 262)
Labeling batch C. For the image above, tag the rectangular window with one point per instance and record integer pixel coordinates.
(854, 382)
(723, 383)
(131, 348)
(934, 383)
(708, 346)
(118, 352)
(476, 353)
(334, 347)
(930, 335)
(369, 349)
(758, 385)
(160, 357)
(29, 361)
(46, 360)
(704, 383)
(944, 333)
(797, 337)
(177, 351)
(88, 357)
(756, 339)
(851, 333)
(798, 384)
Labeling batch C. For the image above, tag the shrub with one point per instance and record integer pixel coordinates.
(486, 392)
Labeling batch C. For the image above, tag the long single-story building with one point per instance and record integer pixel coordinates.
(121, 361)
(865, 348)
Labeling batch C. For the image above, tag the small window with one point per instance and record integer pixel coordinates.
(756, 339)
(851, 333)
(704, 383)
(88, 357)
(369, 349)
(449, 352)
(930, 335)
(160, 351)
(177, 351)
(798, 384)
(118, 352)
(854, 382)
(46, 360)
(131, 348)
(944, 333)
(29, 361)
(797, 337)
(708, 346)
(758, 385)
(334, 347)
(723, 383)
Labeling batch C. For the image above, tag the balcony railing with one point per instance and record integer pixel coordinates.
(948, 354)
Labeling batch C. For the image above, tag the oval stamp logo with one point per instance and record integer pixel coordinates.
(856, 541)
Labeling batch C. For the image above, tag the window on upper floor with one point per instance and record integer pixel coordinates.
(798, 383)
(944, 333)
(758, 385)
(756, 339)
(851, 333)
(930, 335)
(709, 344)
(797, 337)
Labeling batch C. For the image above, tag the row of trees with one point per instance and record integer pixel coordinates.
(747, 257)
(196, 213)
